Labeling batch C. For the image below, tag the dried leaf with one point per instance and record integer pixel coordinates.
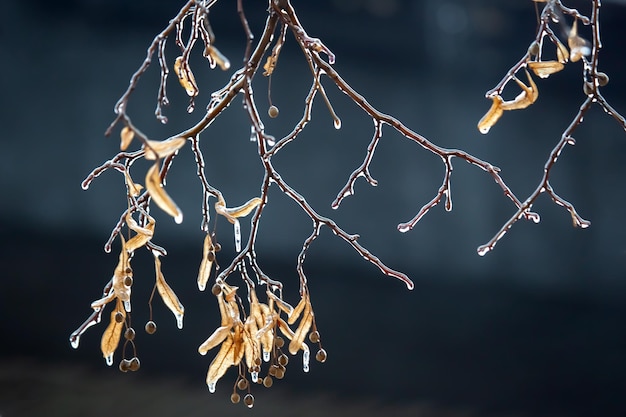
(133, 189)
(185, 77)
(158, 194)
(220, 363)
(167, 294)
(492, 116)
(112, 334)
(212, 53)
(561, 52)
(543, 69)
(293, 317)
(218, 336)
(232, 214)
(527, 97)
(303, 329)
(143, 236)
(578, 46)
(155, 149)
(208, 252)
(126, 135)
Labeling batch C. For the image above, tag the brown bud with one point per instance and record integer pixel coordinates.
(151, 327)
(248, 400)
(129, 334)
(273, 112)
(603, 79)
(235, 398)
(321, 356)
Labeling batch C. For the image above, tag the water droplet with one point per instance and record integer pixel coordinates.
(571, 141)
(74, 341)
(482, 250)
(337, 123)
(404, 227)
(254, 376)
(84, 185)
(270, 140)
(109, 359)
(179, 218)
(179, 321)
(305, 358)
(127, 306)
(347, 193)
(211, 387)
(237, 232)
(266, 356)
(190, 108)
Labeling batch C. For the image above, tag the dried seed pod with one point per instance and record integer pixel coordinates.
(151, 327)
(128, 281)
(129, 334)
(112, 334)
(235, 398)
(314, 336)
(124, 365)
(216, 290)
(248, 400)
(283, 359)
(242, 384)
(119, 317)
(268, 381)
(273, 112)
(321, 355)
(134, 364)
(588, 89)
(533, 49)
(603, 79)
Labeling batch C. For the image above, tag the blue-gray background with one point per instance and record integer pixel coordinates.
(536, 327)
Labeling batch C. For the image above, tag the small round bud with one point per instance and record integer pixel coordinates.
(272, 112)
(210, 256)
(588, 89)
(533, 49)
(217, 247)
(234, 398)
(268, 381)
(129, 334)
(283, 359)
(248, 400)
(119, 317)
(242, 384)
(128, 281)
(321, 356)
(257, 362)
(279, 342)
(280, 373)
(151, 327)
(272, 371)
(603, 79)
(216, 290)
(314, 337)
(128, 270)
(134, 364)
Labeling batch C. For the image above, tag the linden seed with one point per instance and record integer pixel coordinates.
(134, 364)
(242, 384)
(603, 79)
(280, 373)
(128, 271)
(279, 342)
(272, 370)
(216, 290)
(129, 334)
(273, 112)
(248, 400)
(257, 361)
(124, 364)
(119, 317)
(268, 381)
(533, 49)
(128, 281)
(210, 256)
(321, 356)
(151, 327)
(588, 89)
(217, 247)
(314, 337)
(283, 359)
(234, 398)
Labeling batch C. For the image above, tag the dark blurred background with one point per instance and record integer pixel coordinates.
(534, 328)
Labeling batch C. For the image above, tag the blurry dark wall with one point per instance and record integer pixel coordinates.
(535, 327)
